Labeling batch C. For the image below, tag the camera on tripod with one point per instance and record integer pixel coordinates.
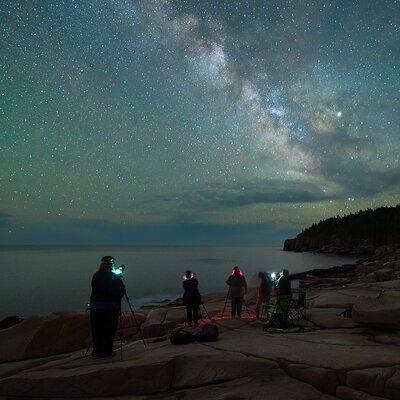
(118, 269)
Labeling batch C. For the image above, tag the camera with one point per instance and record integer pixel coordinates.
(118, 269)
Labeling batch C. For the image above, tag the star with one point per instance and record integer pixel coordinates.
(165, 114)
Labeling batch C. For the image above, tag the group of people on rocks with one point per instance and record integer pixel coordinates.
(108, 290)
(237, 290)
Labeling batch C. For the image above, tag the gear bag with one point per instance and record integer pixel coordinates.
(208, 333)
(181, 337)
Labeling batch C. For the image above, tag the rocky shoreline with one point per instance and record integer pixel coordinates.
(333, 246)
(341, 358)
(359, 233)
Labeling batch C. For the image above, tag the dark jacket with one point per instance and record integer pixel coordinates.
(264, 290)
(107, 290)
(237, 285)
(284, 288)
(191, 294)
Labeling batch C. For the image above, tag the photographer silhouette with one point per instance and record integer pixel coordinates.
(105, 306)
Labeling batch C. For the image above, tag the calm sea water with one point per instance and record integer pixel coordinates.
(42, 279)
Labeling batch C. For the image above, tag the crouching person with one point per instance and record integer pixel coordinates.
(105, 307)
(191, 297)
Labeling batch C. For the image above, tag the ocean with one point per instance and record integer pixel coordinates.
(43, 279)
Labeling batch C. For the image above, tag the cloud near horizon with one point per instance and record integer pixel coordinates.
(220, 197)
(103, 232)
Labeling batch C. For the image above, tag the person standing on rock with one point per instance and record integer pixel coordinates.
(263, 294)
(105, 307)
(284, 287)
(283, 297)
(191, 297)
(237, 289)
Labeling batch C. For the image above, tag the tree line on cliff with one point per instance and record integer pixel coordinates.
(359, 232)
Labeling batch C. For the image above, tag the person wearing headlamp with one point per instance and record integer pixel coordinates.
(237, 289)
(105, 306)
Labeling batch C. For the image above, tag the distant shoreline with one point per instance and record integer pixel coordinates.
(135, 245)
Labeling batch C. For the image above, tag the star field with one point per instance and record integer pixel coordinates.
(194, 121)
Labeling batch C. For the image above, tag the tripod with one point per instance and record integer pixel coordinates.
(134, 318)
(249, 312)
(128, 300)
(206, 312)
(121, 319)
(226, 301)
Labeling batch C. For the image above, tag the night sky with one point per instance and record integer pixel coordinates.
(194, 122)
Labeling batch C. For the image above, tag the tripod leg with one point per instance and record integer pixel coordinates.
(206, 312)
(226, 301)
(121, 329)
(247, 308)
(87, 350)
(134, 318)
(91, 342)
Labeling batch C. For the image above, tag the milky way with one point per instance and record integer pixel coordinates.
(194, 121)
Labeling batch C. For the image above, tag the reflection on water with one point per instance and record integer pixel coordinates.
(57, 278)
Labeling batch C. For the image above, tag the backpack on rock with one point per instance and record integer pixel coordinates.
(208, 333)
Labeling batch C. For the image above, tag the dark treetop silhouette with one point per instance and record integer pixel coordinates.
(361, 232)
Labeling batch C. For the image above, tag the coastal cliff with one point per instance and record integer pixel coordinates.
(358, 233)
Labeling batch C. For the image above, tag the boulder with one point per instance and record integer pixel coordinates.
(338, 349)
(329, 318)
(157, 315)
(364, 247)
(10, 321)
(393, 285)
(390, 338)
(162, 320)
(41, 336)
(370, 380)
(346, 393)
(159, 368)
(127, 324)
(381, 313)
(177, 315)
(152, 327)
(100, 379)
(369, 263)
(396, 265)
(332, 299)
(369, 266)
(260, 388)
(323, 379)
(392, 387)
(383, 251)
(251, 296)
(384, 274)
(312, 281)
(13, 367)
(200, 370)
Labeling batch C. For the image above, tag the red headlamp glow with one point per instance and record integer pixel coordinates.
(236, 272)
